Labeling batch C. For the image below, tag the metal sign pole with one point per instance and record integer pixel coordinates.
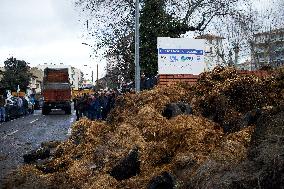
(137, 66)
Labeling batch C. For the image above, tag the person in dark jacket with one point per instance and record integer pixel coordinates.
(79, 107)
(85, 105)
(76, 102)
(2, 109)
(25, 106)
(91, 110)
(98, 107)
(105, 99)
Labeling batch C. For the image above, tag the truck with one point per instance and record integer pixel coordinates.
(56, 90)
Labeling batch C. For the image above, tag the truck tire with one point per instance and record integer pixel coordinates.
(45, 110)
(68, 110)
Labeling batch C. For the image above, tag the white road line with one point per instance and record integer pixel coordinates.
(34, 121)
(9, 134)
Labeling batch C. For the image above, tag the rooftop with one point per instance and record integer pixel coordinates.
(275, 31)
(209, 36)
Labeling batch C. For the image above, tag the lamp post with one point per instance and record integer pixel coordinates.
(137, 65)
(91, 67)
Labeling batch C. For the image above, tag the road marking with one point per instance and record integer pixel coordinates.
(69, 131)
(9, 134)
(34, 121)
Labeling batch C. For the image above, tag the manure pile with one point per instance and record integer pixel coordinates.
(233, 139)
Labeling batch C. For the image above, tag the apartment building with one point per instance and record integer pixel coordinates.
(268, 49)
(36, 81)
(213, 44)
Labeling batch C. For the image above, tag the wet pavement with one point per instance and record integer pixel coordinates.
(24, 134)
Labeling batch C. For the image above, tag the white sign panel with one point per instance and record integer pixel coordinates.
(180, 55)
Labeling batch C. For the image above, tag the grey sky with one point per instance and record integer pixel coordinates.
(40, 31)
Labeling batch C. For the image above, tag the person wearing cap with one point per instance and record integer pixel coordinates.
(2, 109)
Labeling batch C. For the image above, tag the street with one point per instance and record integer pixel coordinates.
(19, 136)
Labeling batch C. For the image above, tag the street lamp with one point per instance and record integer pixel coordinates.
(90, 67)
(92, 76)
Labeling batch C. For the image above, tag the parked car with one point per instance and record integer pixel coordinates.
(12, 110)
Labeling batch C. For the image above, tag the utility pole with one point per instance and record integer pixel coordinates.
(97, 75)
(137, 65)
(92, 77)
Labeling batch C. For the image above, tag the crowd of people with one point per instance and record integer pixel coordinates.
(14, 107)
(95, 106)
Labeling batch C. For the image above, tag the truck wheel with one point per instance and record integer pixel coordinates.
(68, 110)
(45, 110)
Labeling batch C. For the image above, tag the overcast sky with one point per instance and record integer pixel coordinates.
(44, 31)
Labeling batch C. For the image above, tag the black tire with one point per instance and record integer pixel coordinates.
(68, 110)
(45, 110)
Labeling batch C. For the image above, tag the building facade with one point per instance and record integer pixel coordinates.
(247, 65)
(75, 74)
(36, 81)
(213, 45)
(35, 84)
(268, 49)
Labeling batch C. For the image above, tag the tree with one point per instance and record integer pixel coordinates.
(240, 31)
(120, 61)
(154, 22)
(109, 20)
(16, 74)
(169, 18)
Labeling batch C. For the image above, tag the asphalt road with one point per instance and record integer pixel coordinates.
(24, 134)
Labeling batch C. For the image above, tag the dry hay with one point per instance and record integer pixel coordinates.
(130, 104)
(162, 147)
(225, 96)
(186, 146)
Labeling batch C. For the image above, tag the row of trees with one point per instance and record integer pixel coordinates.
(112, 28)
(16, 73)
